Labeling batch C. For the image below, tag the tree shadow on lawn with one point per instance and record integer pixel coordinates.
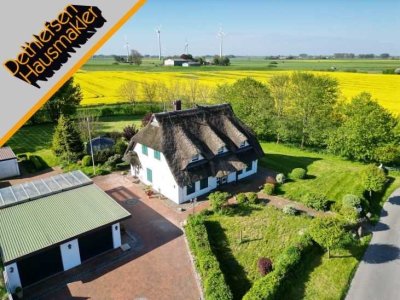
(234, 273)
(286, 163)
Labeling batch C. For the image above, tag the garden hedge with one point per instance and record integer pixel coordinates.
(267, 287)
(213, 280)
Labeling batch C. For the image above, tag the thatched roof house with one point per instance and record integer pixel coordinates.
(207, 141)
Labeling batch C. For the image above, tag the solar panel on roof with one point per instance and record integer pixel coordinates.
(42, 187)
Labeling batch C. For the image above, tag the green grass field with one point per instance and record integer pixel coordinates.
(37, 139)
(251, 63)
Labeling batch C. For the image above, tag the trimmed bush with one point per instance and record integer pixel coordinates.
(241, 198)
(269, 189)
(252, 197)
(120, 147)
(352, 201)
(289, 210)
(86, 161)
(214, 284)
(267, 287)
(280, 178)
(264, 265)
(218, 200)
(298, 173)
(102, 156)
(316, 201)
(113, 160)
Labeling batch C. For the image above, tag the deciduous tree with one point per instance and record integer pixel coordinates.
(373, 179)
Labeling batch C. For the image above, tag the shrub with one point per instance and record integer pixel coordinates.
(113, 160)
(269, 189)
(316, 201)
(101, 156)
(252, 197)
(298, 173)
(280, 178)
(129, 131)
(36, 161)
(120, 147)
(106, 111)
(218, 200)
(241, 198)
(264, 265)
(352, 201)
(214, 284)
(86, 160)
(267, 287)
(22, 156)
(289, 210)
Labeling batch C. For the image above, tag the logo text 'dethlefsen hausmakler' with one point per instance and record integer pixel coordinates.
(51, 48)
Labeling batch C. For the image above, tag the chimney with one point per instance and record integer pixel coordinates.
(177, 105)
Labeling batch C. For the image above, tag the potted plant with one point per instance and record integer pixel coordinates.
(18, 292)
(148, 191)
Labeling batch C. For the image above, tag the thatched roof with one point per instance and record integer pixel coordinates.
(180, 135)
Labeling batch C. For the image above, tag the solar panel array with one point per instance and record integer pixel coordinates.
(42, 187)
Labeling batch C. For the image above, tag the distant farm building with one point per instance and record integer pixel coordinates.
(53, 224)
(191, 64)
(174, 62)
(8, 163)
(100, 143)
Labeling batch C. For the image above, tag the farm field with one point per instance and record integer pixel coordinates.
(37, 139)
(102, 86)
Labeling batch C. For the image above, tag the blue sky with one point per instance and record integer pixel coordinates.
(255, 27)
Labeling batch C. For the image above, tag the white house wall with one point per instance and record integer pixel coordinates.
(11, 276)
(212, 184)
(116, 234)
(163, 180)
(9, 168)
(70, 254)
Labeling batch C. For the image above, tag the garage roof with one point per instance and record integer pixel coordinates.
(34, 225)
(6, 153)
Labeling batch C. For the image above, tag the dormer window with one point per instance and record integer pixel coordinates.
(243, 144)
(221, 150)
(195, 157)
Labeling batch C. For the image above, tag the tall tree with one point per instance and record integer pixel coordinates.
(366, 127)
(373, 179)
(313, 99)
(136, 57)
(67, 143)
(252, 103)
(65, 101)
(128, 91)
(150, 90)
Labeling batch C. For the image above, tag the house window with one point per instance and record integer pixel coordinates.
(145, 150)
(243, 144)
(157, 155)
(221, 150)
(195, 157)
(203, 183)
(149, 174)
(249, 167)
(239, 172)
(191, 188)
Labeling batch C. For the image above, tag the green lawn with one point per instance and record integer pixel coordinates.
(327, 174)
(37, 139)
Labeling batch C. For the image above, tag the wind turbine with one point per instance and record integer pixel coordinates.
(220, 35)
(127, 49)
(186, 47)
(158, 31)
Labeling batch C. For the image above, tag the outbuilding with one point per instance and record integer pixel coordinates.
(174, 62)
(51, 225)
(8, 163)
(100, 143)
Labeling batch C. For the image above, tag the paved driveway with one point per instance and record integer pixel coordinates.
(158, 267)
(378, 275)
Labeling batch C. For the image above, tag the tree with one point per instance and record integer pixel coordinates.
(385, 55)
(218, 200)
(388, 154)
(187, 56)
(329, 233)
(313, 99)
(87, 125)
(279, 86)
(150, 90)
(221, 61)
(67, 143)
(128, 91)
(252, 102)
(366, 126)
(65, 101)
(373, 179)
(136, 57)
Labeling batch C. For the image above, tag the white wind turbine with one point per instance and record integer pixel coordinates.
(127, 48)
(186, 47)
(221, 36)
(158, 31)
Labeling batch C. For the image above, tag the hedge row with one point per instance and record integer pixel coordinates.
(213, 280)
(267, 287)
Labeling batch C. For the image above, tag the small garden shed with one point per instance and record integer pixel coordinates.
(100, 143)
(8, 163)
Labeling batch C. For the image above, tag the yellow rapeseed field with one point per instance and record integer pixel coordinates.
(102, 86)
